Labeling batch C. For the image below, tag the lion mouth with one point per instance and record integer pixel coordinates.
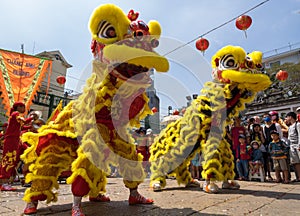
(131, 73)
(254, 81)
(123, 53)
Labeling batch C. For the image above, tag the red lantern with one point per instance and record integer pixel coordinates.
(243, 23)
(154, 110)
(175, 112)
(282, 75)
(202, 44)
(61, 80)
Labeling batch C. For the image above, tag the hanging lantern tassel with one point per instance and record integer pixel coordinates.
(202, 44)
(243, 23)
(61, 80)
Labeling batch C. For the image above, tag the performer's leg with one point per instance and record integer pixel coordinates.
(131, 169)
(212, 165)
(86, 179)
(170, 154)
(228, 167)
(158, 176)
(182, 172)
(44, 173)
(158, 165)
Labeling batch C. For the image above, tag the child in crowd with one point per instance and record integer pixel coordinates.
(278, 151)
(243, 157)
(256, 157)
(257, 135)
(236, 129)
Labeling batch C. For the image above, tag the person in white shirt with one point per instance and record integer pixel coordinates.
(294, 138)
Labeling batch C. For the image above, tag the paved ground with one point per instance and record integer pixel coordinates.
(254, 198)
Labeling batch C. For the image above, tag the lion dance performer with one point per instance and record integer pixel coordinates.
(12, 145)
(237, 77)
(91, 133)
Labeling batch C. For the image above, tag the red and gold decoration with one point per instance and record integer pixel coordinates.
(243, 23)
(282, 75)
(21, 76)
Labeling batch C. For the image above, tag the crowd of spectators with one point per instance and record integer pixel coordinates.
(268, 141)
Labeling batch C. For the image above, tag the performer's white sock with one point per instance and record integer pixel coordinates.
(77, 201)
(133, 192)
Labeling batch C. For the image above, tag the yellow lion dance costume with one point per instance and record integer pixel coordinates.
(91, 133)
(237, 78)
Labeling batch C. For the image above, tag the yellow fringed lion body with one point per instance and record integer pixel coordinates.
(237, 77)
(91, 132)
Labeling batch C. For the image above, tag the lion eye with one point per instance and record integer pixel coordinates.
(228, 62)
(249, 63)
(106, 30)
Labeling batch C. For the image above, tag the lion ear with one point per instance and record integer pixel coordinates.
(154, 28)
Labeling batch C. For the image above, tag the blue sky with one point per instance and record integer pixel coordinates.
(63, 25)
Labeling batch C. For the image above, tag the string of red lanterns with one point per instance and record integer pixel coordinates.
(245, 24)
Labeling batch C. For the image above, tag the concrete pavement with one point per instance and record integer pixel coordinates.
(254, 198)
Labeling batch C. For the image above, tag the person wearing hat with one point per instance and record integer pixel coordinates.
(278, 150)
(256, 157)
(11, 145)
(257, 135)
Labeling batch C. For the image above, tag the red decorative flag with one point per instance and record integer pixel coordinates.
(21, 76)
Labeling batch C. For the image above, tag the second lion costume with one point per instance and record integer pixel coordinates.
(237, 78)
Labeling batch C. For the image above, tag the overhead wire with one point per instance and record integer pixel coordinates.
(213, 29)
